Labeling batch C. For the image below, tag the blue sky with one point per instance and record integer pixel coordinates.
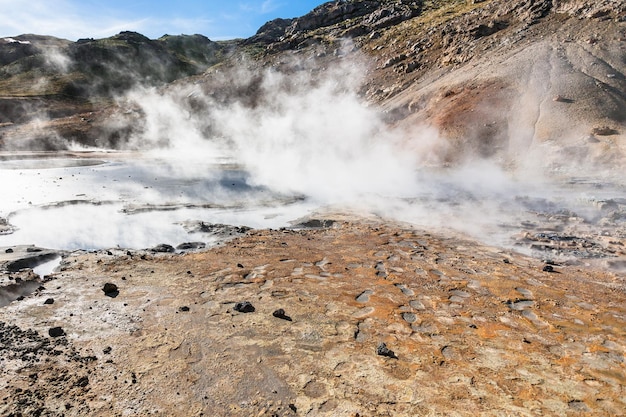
(74, 19)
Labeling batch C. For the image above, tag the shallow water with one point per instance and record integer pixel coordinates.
(131, 203)
(138, 201)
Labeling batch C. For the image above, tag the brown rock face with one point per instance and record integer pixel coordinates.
(450, 328)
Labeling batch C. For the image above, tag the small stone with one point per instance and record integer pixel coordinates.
(56, 332)
(107, 350)
(409, 317)
(364, 297)
(49, 301)
(163, 248)
(280, 313)
(548, 268)
(244, 307)
(183, 308)
(8, 250)
(405, 290)
(382, 350)
(110, 290)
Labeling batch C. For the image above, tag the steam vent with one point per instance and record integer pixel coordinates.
(380, 208)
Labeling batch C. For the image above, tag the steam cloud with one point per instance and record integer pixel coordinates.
(300, 133)
(306, 132)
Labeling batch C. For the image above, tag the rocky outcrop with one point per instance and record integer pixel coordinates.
(602, 9)
(341, 18)
(270, 32)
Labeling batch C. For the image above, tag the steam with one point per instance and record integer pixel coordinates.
(261, 147)
(305, 133)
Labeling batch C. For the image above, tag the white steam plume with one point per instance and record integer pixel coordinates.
(302, 133)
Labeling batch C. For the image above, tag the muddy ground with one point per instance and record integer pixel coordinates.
(467, 330)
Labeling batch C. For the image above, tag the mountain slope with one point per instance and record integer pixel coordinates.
(494, 78)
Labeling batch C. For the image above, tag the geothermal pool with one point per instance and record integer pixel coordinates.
(116, 200)
(101, 200)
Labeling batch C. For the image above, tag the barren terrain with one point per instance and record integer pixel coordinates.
(461, 164)
(472, 330)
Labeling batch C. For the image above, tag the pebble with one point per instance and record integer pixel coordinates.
(49, 301)
(409, 317)
(56, 332)
(280, 313)
(416, 304)
(244, 307)
(405, 290)
(110, 290)
(364, 297)
(383, 350)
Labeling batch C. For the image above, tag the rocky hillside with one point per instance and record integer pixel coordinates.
(43, 77)
(494, 78)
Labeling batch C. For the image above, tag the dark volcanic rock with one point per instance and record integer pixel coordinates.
(244, 307)
(110, 290)
(280, 313)
(163, 248)
(270, 32)
(383, 350)
(56, 332)
(191, 246)
(32, 257)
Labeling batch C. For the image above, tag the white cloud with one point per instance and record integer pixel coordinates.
(60, 18)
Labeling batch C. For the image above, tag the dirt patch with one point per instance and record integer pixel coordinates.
(473, 329)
